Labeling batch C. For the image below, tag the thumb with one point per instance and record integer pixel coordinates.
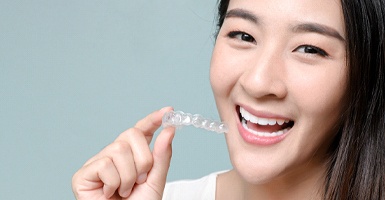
(162, 156)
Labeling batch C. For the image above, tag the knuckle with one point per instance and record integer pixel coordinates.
(105, 163)
(144, 163)
(120, 147)
(134, 131)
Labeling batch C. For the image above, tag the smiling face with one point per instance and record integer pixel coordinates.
(278, 74)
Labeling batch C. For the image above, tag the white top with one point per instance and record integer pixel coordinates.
(200, 189)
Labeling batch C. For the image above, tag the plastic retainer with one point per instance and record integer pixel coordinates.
(179, 119)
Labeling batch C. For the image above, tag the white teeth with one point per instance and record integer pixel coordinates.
(272, 121)
(264, 134)
(259, 120)
(262, 121)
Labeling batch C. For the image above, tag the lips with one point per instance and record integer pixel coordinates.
(263, 129)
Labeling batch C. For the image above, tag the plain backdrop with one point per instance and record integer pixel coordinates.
(75, 74)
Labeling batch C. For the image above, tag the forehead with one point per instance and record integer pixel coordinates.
(291, 12)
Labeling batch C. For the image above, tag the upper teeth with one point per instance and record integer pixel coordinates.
(259, 120)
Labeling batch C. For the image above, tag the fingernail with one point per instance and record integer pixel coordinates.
(126, 194)
(165, 108)
(141, 178)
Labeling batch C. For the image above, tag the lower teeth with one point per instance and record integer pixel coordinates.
(264, 134)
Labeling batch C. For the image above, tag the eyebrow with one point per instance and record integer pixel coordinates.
(318, 28)
(303, 27)
(244, 14)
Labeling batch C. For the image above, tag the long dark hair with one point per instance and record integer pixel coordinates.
(356, 168)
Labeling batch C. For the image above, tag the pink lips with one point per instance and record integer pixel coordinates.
(258, 140)
(255, 139)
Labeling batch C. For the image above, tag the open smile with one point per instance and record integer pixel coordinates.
(262, 130)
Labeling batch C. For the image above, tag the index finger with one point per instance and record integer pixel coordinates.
(150, 123)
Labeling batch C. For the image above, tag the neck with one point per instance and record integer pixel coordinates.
(299, 184)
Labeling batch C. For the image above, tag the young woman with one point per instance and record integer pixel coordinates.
(301, 86)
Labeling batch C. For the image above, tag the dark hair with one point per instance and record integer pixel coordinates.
(356, 168)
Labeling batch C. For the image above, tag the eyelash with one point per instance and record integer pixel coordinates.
(313, 49)
(234, 34)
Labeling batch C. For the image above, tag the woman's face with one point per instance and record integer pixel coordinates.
(278, 74)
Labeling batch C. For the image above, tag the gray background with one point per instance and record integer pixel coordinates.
(75, 74)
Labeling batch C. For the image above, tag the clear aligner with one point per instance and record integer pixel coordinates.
(179, 118)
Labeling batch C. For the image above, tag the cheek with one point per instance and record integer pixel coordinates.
(219, 78)
(320, 97)
(225, 70)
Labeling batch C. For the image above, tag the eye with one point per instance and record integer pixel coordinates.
(241, 36)
(310, 49)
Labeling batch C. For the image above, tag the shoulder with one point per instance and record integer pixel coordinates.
(203, 188)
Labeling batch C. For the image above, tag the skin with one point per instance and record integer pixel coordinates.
(269, 68)
(126, 168)
(273, 70)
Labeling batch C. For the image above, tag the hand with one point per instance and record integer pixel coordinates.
(127, 169)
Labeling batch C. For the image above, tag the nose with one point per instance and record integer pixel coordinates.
(264, 77)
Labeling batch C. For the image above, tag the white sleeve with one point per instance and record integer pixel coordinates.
(200, 189)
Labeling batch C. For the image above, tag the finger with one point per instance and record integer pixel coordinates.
(148, 126)
(142, 155)
(162, 156)
(120, 153)
(122, 157)
(152, 122)
(98, 174)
